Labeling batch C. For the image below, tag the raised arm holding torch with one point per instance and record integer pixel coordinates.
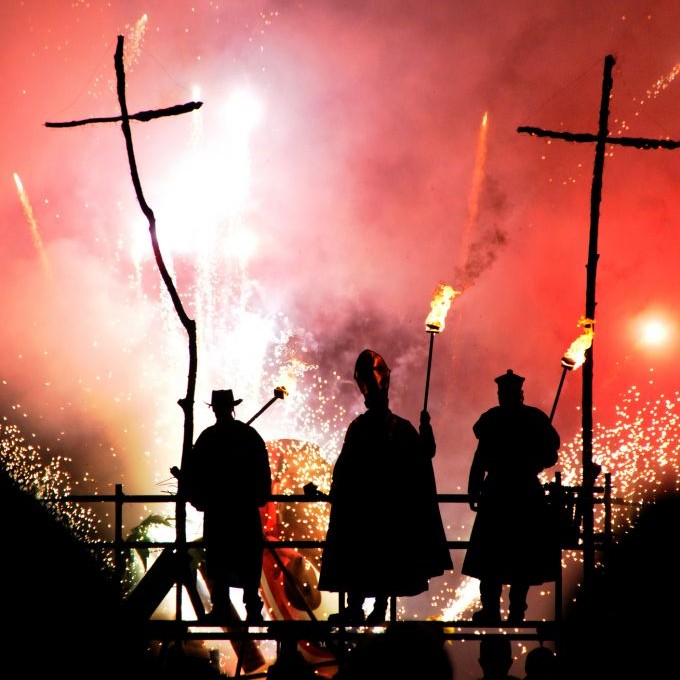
(279, 393)
(434, 324)
(575, 356)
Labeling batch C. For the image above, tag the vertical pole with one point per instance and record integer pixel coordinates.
(429, 368)
(591, 275)
(558, 501)
(119, 562)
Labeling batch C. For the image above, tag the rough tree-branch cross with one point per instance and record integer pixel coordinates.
(601, 139)
(187, 402)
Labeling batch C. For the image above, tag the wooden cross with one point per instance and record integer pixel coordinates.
(187, 402)
(601, 139)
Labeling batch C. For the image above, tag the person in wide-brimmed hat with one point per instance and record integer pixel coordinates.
(229, 479)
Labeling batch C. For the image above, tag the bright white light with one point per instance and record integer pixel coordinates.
(653, 329)
(655, 333)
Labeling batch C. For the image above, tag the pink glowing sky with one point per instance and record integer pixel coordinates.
(361, 186)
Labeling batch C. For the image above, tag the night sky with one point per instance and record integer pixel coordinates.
(338, 171)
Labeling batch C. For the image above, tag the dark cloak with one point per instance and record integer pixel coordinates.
(385, 533)
(229, 478)
(514, 536)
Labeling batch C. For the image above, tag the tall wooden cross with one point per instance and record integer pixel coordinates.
(601, 139)
(187, 402)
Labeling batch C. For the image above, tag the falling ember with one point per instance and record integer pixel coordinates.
(33, 225)
(575, 356)
(441, 303)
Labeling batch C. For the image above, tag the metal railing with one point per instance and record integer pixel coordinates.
(568, 502)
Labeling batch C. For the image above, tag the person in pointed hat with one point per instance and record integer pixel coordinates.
(229, 479)
(512, 541)
(385, 534)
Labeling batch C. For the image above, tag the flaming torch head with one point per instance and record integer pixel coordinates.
(575, 356)
(441, 303)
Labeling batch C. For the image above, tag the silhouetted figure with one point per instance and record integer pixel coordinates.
(541, 664)
(623, 625)
(513, 539)
(385, 535)
(56, 585)
(228, 477)
(184, 661)
(495, 658)
(407, 649)
(290, 664)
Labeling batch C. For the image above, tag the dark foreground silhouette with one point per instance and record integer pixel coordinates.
(63, 615)
(407, 649)
(626, 628)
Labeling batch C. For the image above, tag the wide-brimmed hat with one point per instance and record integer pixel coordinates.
(223, 399)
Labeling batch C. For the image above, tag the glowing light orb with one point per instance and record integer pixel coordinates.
(655, 333)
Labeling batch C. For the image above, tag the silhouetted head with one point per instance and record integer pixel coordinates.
(373, 378)
(541, 662)
(510, 390)
(495, 656)
(223, 402)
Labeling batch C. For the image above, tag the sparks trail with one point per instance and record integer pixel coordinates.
(33, 225)
(469, 269)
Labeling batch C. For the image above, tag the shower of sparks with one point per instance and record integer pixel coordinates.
(641, 451)
(660, 85)
(45, 476)
(33, 226)
(134, 41)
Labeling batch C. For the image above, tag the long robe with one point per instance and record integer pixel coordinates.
(385, 534)
(514, 536)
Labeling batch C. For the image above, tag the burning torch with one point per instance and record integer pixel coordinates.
(279, 393)
(575, 356)
(434, 324)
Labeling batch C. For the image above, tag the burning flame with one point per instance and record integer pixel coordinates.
(441, 303)
(576, 354)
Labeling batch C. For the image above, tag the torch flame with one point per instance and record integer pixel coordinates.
(575, 356)
(441, 303)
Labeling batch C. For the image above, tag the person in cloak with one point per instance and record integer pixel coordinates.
(229, 479)
(385, 534)
(513, 540)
